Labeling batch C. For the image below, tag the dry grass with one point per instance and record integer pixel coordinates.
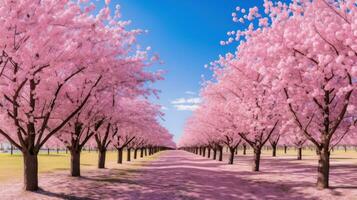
(11, 166)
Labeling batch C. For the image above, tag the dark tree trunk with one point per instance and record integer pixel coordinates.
(57, 150)
(323, 169)
(256, 164)
(237, 151)
(274, 149)
(220, 153)
(128, 158)
(244, 149)
(299, 156)
(135, 153)
(141, 152)
(11, 149)
(345, 148)
(204, 152)
(214, 154)
(101, 158)
(208, 152)
(285, 149)
(75, 163)
(30, 171)
(200, 150)
(231, 156)
(146, 152)
(48, 151)
(317, 151)
(120, 156)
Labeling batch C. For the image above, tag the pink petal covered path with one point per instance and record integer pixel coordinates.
(182, 175)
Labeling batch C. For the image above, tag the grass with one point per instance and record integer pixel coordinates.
(11, 166)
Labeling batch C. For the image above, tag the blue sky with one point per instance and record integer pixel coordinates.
(186, 35)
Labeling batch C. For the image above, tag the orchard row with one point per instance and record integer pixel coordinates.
(73, 75)
(291, 80)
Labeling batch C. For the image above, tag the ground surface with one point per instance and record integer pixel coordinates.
(182, 175)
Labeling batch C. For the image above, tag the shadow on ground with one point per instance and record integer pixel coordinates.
(182, 175)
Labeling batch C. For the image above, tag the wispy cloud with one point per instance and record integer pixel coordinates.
(164, 108)
(186, 107)
(186, 104)
(195, 100)
(178, 101)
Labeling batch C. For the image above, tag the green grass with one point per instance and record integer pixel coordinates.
(11, 166)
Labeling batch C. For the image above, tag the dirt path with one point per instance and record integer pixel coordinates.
(182, 175)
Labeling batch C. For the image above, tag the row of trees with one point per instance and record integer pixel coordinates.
(72, 73)
(293, 77)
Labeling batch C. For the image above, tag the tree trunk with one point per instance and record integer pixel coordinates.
(274, 150)
(257, 152)
(244, 149)
(128, 157)
(57, 150)
(101, 158)
(204, 152)
(135, 153)
(220, 154)
(30, 172)
(231, 157)
(323, 169)
(11, 149)
(146, 152)
(48, 151)
(299, 156)
(214, 154)
(120, 156)
(209, 152)
(285, 149)
(75, 163)
(141, 152)
(237, 151)
(200, 151)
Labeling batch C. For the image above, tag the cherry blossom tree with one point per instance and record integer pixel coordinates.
(37, 67)
(294, 137)
(51, 69)
(308, 49)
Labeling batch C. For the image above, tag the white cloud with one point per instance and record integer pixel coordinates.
(186, 104)
(186, 107)
(188, 100)
(178, 101)
(193, 100)
(164, 108)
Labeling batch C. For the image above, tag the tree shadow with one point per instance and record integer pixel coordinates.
(182, 175)
(59, 195)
